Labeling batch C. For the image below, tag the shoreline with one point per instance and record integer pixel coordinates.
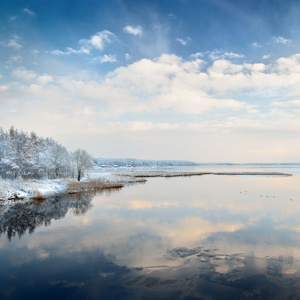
(20, 190)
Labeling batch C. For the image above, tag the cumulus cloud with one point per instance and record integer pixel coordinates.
(288, 65)
(96, 42)
(230, 97)
(138, 30)
(223, 66)
(171, 84)
(266, 56)
(281, 40)
(167, 83)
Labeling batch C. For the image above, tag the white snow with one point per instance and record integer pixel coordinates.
(24, 189)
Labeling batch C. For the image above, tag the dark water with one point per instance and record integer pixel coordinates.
(206, 237)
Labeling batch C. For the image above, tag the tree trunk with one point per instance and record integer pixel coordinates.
(79, 175)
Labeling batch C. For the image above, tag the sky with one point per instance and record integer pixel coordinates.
(199, 80)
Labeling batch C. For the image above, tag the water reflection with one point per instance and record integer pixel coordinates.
(26, 217)
(20, 218)
(214, 237)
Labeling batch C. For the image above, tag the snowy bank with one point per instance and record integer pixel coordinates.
(13, 190)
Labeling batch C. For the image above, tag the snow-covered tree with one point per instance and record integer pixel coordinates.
(29, 156)
(82, 162)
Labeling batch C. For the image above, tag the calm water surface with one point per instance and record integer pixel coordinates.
(204, 237)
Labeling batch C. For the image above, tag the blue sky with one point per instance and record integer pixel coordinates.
(209, 81)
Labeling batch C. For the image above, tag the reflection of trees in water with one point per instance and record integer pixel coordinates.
(23, 217)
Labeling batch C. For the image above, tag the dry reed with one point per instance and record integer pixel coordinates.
(78, 186)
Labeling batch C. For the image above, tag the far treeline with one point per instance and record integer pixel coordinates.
(26, 155)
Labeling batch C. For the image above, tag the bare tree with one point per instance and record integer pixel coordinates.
(82, 162)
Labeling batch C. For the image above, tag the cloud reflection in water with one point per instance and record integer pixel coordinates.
(242, 244)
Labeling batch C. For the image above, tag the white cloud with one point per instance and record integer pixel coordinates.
(184, 42)
(45, 79)
(281, 40)
(82, 50)
(288, 65)
(105, 58)
(133, 30)
(255, 45)
(30, 76)
(127, 56)
(216, 54)
(266, 56)
(288, 104)
(58, 52)
(233, 55)
(181, 41)
(223, 66)
(196, 55)
(28, 11)
(11, 43)
(238, 104)
(220, 54)
(24, 75)
(256, 67)
(172, 84)
(70, 50)
(97, 41)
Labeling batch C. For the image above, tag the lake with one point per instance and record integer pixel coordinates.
(201, 237)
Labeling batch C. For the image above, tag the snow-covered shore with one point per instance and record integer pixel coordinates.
(12, 191)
